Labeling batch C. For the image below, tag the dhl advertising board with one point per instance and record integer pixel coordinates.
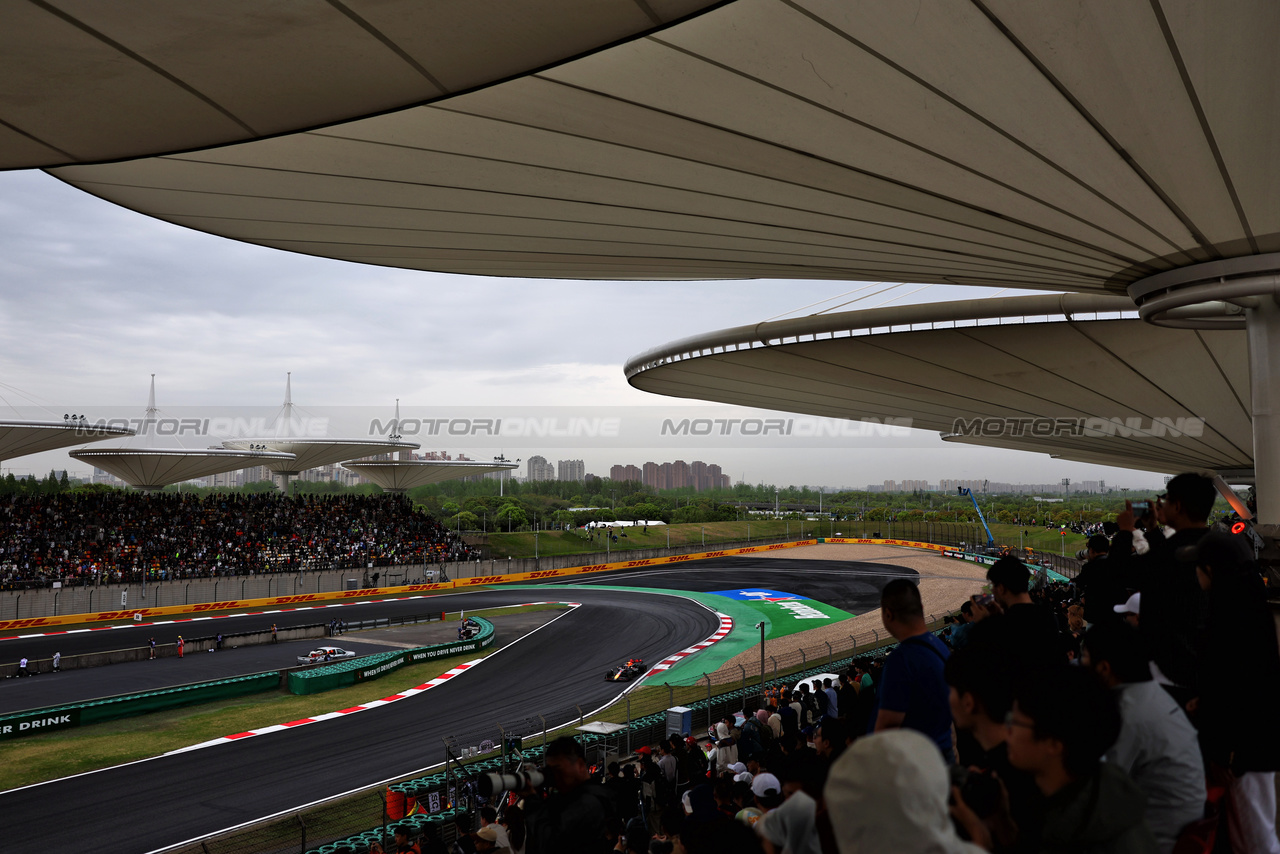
(304, 599)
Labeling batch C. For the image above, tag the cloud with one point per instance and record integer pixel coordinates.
(94, 298)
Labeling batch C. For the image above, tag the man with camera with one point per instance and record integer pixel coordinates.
(573, 819)
(1173, 605)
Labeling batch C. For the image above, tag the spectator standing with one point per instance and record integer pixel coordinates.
(573, 820)
(1157, 745)
(913, 692)
(667, 764)
(792, 827)
(981, 697)
(833, 698)
(152, 644)
(1029, 632)
(1061, 724)
(513, 820)
(1173, 612)
(888, 793)
(1100, 582)
(1239, 689)
(489, 818)
(963, 625)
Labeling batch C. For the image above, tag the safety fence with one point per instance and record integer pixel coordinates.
(299, 681)
(75, 602)
(440, 794)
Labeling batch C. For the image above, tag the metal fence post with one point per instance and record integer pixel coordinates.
(804, 660)
(582, 717)
(544, 731)
(831, 657)
(744, 680)
(875, 635)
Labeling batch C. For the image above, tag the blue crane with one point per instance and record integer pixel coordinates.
(964, 490)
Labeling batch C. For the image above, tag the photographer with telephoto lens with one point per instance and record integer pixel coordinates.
(573, 819)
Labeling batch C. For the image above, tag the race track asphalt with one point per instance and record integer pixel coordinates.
(160, 802)
(156, 803)
(852, 587)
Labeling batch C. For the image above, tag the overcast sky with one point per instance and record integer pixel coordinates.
(94, 298)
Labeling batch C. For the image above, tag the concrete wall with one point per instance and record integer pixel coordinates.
(25, 604)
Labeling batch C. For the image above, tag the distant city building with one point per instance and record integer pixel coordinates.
(627, 473)
(537, 468)
(946, 485)
(571, 470)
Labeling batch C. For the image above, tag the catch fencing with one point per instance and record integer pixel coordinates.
(435, 797)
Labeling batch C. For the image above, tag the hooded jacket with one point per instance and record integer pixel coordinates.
(888, 793)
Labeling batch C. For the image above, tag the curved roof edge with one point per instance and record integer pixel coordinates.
(851, 323)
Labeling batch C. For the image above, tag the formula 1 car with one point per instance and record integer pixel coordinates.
(633, 669)
(325, 653)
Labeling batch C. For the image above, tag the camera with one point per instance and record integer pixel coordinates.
(980, 791)
(984, 599)
(488, 784)
(1141, 508)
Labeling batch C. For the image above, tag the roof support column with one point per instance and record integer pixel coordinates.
(1263, 324)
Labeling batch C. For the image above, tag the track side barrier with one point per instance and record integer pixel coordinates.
(342, 673)
(319, 599)
(127, 705)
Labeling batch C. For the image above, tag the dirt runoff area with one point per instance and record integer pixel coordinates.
(944, 584)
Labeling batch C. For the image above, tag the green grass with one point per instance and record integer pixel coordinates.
(551, 543)
(38, 758)
(1039, 539)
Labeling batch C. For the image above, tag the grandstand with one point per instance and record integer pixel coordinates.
(112, 537)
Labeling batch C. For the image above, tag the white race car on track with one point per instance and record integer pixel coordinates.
(325, 653)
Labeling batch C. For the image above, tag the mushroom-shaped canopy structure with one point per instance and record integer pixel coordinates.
(100, 81)
(155, 468)
(402, 475)
(1075, 146)
(19, 438)
(1075, 376)
(299, 454)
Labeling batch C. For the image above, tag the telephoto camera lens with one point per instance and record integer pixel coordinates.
(491, 783)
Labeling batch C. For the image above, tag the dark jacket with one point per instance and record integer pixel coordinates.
(1101, 814)
(1103, 586)
(1239, 675)
(1173, 605)
(570, 823)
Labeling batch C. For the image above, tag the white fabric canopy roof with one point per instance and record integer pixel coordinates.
(84, 80)
(156, 468)
(19, 438)
(1039, 357)
(299, 454)
(399, 475)
(1054, 145)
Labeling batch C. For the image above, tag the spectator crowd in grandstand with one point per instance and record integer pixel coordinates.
(1125, 713)
(120, 536)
